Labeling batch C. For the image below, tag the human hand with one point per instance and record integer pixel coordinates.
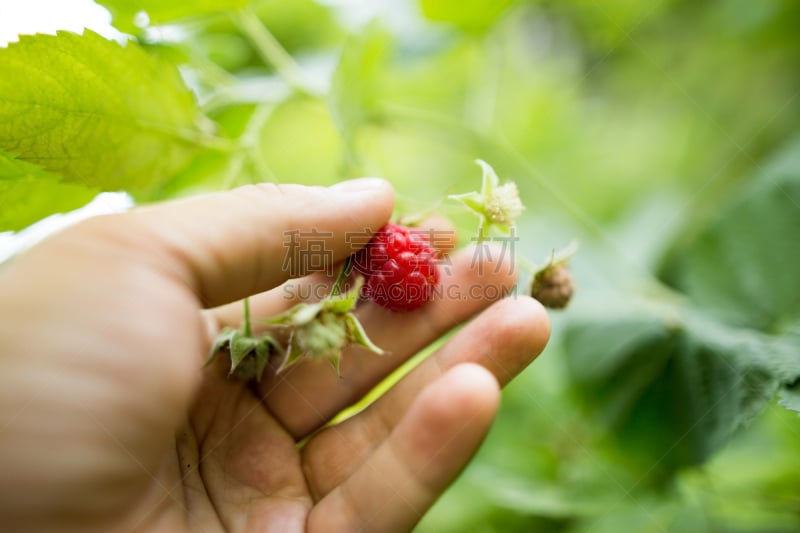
(107, 420)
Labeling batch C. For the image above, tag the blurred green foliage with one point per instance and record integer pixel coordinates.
(663, 135)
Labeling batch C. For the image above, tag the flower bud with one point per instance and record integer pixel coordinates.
(503, 206)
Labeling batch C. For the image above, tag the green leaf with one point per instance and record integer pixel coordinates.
(357, 335)
(29, 193)
(473, 16)
(262, 353)
(124, 12)
(717, 389)
(790, 397)
(344, 303)
(598, 349)
(249, 355)
(336, 363)
(675, 386)
(744, 267)
(293, 354)
(99, 114)
(240, 347)
(515, 492)
(224, 339)
(777, 354)
(473, 200)
(298, 315)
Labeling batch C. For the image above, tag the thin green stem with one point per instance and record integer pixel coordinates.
(210, 72)
(343, 273)
(262, 169)
(271, 50)
(219, 144)
(232, 170)
(250, 139)
(483, 230)
(198, 138)
(248, 332)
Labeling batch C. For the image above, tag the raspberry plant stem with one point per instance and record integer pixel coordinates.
(343, 273)
(247, 330)
(483, 230)
(250, 140)
(271, 50)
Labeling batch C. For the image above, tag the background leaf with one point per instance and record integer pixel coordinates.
(790, 398)
(675, 393)
(743, 266)
(467, 15)
(97, 113)
(29, 193)
(160, 11)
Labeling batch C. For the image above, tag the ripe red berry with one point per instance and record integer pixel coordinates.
(399, 266)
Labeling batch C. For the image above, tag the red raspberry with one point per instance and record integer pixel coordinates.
(399, 265)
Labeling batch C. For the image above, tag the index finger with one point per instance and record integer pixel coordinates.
(229, 245)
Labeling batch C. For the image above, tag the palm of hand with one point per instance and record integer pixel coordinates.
(239, 462)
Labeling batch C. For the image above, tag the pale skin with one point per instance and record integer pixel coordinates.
(109, 422)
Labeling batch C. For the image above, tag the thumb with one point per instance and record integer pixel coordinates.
(229, 245)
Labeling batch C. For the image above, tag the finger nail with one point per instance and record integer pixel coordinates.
(357, 185)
